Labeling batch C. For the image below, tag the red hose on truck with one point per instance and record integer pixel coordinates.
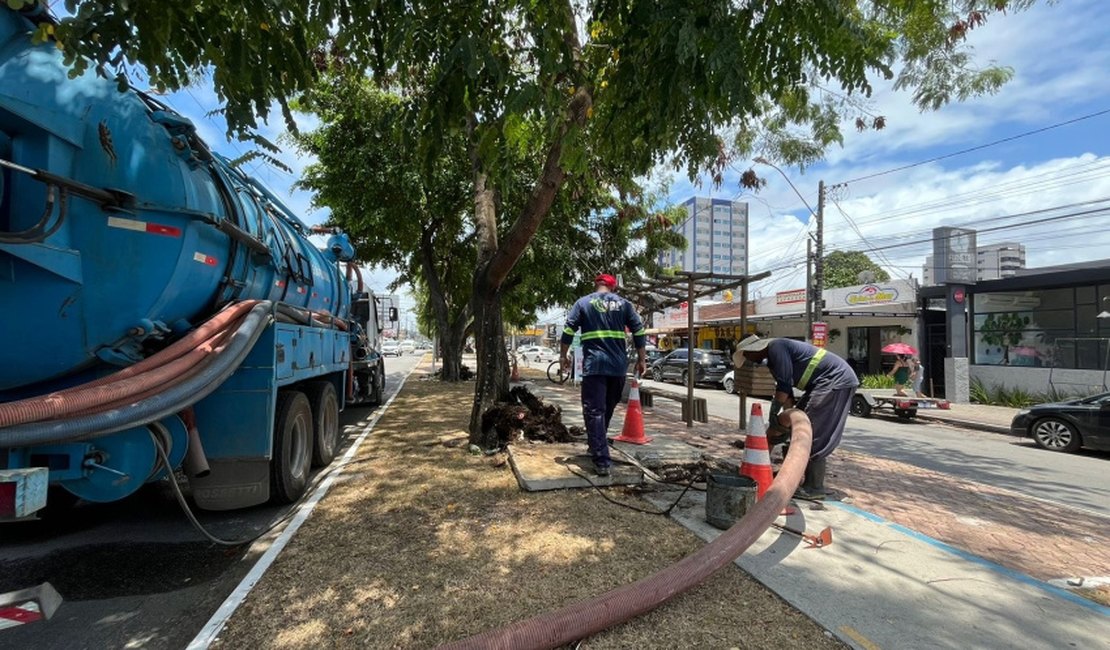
(589, 617)
(141, 377)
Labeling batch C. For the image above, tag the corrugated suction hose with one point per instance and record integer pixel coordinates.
(589, 617)
(197, 383)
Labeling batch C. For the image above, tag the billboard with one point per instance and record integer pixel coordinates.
(954, 256)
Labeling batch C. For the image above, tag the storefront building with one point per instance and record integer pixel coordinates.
(1043, 330)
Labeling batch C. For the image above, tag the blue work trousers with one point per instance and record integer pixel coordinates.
(600, 395)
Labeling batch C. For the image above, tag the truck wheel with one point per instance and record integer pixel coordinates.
(860, 407)
(325, 419)
(292, 450)
(377, 391)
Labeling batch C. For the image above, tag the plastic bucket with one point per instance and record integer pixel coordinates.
(727, 498)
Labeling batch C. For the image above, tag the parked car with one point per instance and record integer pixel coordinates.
(710, 367)
(537, 353)
(391, 349)
(729, 382)
(1067, 426)
(653, 355)
(408, 347)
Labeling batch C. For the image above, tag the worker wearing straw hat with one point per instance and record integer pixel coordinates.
(827, 383)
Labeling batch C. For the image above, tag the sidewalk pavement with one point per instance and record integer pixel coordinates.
(976, 538)
(995, 419)
(880, 585)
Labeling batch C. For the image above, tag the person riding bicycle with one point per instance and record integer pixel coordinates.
(603, 317)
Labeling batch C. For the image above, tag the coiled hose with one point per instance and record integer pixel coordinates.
(589, 617)
(78, 399)
(181, 393)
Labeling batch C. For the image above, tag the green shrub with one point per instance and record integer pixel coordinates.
(876, 381)
(978, 393)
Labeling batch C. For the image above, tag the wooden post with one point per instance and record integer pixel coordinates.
(690, 351)
(743, 420)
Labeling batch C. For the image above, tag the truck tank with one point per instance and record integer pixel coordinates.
(160, 309)
(120, 228)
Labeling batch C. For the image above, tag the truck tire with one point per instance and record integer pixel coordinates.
(292, 450)
(325, 419)
(377, 391)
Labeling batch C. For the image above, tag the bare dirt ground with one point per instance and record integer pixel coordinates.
(420, 543)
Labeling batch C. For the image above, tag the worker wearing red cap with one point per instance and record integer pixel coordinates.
(604, 318)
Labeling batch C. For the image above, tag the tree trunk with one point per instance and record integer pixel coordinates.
(451, 349)
(450, 333)
(492, 384)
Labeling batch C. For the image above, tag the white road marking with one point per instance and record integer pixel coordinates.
(209, 633)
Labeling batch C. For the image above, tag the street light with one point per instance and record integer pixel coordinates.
(815, 293)
(763, 161)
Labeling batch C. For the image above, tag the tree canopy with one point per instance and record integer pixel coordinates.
(599, 89)
(842, 269)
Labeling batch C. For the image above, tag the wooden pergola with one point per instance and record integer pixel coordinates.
(661, 292)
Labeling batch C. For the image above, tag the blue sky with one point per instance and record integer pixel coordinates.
(1060, 55)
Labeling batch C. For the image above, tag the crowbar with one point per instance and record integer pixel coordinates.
(820, 540)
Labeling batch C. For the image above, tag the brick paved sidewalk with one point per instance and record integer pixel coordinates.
(1039, 539)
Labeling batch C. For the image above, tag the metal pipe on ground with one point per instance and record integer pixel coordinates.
(589, 617)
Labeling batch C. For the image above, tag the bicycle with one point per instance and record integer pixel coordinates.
(556, 374)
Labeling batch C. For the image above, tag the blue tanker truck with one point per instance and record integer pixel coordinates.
(160, 310)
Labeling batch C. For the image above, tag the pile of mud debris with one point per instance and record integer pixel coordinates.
(525, 416)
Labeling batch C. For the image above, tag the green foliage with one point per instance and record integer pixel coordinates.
(1000, 395)
(978, 393)
(1005, 330)
(842, 269)
(876, 381)
(693, 84)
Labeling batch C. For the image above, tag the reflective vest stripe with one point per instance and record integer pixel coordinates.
(810, 368)
(602, 334)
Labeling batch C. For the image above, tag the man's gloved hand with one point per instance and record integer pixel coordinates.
(776, 431)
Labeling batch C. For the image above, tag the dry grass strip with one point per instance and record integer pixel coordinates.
(420, 543)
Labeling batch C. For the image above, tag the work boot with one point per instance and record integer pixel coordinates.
(813, 487)
(601, 470)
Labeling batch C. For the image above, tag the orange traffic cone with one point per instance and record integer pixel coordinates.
(634, 418)
(757, 456)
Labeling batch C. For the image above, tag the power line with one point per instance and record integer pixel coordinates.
(1072, 215)
(979, 222)
(978, 147)
(1008, 190)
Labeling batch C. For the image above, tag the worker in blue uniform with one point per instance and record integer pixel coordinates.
(603, 318)
(828, 385)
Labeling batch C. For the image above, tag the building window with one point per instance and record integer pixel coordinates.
(1051, 328)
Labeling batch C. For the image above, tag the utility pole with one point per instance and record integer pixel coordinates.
(809, 287)
(819, 259)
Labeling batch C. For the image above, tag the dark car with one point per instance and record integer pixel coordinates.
(710, 366)
(1067, 426)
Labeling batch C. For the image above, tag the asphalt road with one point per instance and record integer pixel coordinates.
(1078, 480)
(135, 573)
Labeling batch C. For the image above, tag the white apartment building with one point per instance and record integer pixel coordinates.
(994, 261)
(716, 232)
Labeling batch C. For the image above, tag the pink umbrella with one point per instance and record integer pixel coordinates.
(899, 348)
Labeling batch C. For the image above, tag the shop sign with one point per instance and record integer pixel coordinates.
(791, 297)
(820, 334)
(871, 294)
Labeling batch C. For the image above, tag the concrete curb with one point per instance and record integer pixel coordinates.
(968, 424)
